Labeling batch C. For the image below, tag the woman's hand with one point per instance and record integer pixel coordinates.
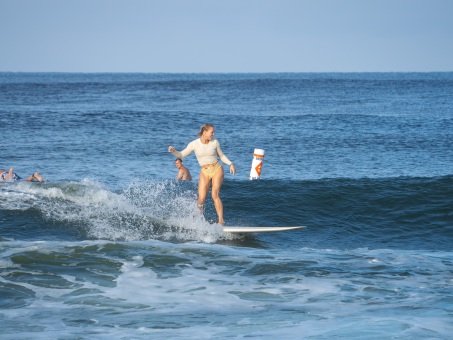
(232, 169)
(171, 149)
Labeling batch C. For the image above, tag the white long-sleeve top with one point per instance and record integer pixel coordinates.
(206, 153)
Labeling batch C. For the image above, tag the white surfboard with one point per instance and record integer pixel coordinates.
(258, 229)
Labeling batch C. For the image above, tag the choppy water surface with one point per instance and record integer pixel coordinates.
(112, 247)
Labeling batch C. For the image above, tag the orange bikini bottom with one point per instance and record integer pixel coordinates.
(210, 169)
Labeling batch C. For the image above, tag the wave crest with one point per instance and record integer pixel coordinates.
(164, 210)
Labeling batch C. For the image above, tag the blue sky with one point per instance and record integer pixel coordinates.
(226, 35)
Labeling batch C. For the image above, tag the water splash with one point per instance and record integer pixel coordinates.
(164, 210)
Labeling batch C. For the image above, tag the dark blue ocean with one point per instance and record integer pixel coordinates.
(112, 247)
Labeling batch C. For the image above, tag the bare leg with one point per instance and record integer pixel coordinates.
(203, 187)
(217, 182)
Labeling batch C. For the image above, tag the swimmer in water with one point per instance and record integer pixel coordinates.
(183, 172)
(11, 176)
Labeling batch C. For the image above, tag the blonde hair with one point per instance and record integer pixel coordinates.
(204, 128)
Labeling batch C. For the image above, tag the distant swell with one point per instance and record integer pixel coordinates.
(390, 212)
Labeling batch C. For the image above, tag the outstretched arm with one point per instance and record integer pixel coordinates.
(181, 154)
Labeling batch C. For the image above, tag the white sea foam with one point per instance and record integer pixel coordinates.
(143, 210)
(160, 288)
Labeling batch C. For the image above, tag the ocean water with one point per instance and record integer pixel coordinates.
(111, 246)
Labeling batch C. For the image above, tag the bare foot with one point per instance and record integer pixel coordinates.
(38, 177)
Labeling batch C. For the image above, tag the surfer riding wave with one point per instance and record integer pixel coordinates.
(208, 151)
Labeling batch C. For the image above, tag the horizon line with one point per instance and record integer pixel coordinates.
(216, 72)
